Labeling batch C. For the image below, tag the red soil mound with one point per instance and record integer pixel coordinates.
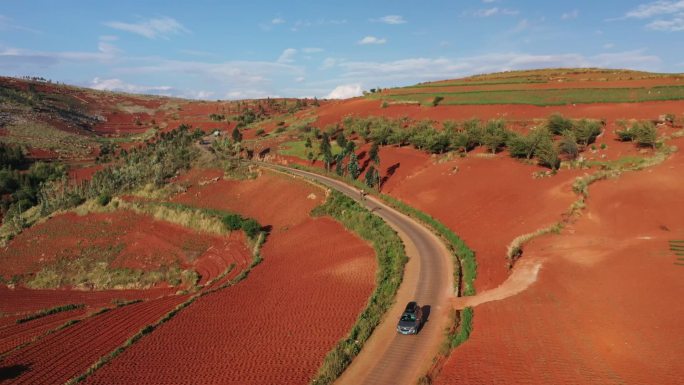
(276, 326)
(604, 307)
(144, 243)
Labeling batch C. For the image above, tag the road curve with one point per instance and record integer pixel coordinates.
(388, 357)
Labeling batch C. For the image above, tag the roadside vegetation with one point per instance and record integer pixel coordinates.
(391, 260)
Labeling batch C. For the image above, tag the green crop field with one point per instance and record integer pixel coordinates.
(551, 97)
(298, 149)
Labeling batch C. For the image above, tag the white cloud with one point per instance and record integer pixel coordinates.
(328, 63)
(7, 23)
(390, 19)
(119, 85)
(570, 15)
(312, 50)
(278, 20)
(300, 79)
(488, 1)
(608, 46)
(487, 12)
(669, 15)
(345, 91)
(316, 23)
(152, 28)
(423, 69)
(521, 26)
(287, 56)
(372, 40)
(673, 25)
(656, 8)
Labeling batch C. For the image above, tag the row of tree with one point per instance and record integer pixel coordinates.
(546, 142)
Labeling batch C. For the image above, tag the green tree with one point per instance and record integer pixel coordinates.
(339, 164)
(326, 150)
(341, 140)
(353, 166)
(372, 176)
(374, 153)
(236, 135)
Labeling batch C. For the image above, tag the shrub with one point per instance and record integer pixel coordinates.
(437, 100)
(557, 124)
(250, 227)
(260, 132)
(548, 155)
(586, 131)
(232, 221)
(104, 199)
(568, 145)
(495, 135)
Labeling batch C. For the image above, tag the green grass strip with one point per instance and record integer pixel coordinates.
(391, 261)
(550, 97)
(47, 312)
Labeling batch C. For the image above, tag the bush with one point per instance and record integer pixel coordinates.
(250, 227)
(586, 131)
(495, 135)
(437, 100)
(104, 199)
(548, 155)
(642, 133)
(260, 132)
(232, 222)
(568, 145)
(557, 124)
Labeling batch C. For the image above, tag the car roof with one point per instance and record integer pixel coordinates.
(411, 306)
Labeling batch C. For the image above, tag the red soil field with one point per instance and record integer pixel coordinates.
(488, 202)
(26, 301)
(644, 83)
(603, 309)
(276, 326)
(336, 111)
(60, 356)
(12, 335)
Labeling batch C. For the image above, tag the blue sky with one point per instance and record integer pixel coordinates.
(228, 50)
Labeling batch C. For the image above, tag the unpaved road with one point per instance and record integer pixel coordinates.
(389, 357)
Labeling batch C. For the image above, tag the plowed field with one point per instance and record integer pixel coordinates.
(276, 326)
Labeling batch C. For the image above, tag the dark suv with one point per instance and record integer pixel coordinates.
(409, 323)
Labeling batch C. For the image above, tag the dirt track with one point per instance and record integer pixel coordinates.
(388, 357)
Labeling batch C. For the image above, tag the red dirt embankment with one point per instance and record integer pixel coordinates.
(604, 308)
(276, 326)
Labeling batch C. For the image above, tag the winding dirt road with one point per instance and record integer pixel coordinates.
(388, 357)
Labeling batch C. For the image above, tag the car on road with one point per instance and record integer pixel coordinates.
(410, 320)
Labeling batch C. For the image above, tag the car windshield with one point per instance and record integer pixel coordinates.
(408, 317)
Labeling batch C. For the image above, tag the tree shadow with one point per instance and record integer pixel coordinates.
(390, 172)
(264, 152)
(361, 155)
(14, 371)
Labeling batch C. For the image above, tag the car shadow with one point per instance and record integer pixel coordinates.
(425, 310)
